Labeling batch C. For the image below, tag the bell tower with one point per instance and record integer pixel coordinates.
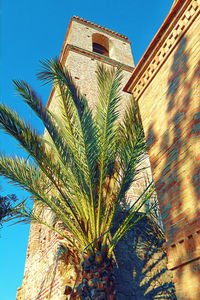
(85, 45)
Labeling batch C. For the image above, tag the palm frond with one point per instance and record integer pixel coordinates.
(107, 114)
(61, 147)
(31, 98)
(132, 146)
(14, 125)
(127, 224)
(23, 214)
(26, 175)
(82, 122)
(130, 154)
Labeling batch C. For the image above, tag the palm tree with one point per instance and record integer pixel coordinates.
(81, 168)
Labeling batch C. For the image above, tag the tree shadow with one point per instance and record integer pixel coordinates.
(141, 257)
(176, 165)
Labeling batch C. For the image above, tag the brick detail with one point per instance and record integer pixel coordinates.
(166, 44)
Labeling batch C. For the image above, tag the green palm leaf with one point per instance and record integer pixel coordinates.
(26, 175)
(107, 114)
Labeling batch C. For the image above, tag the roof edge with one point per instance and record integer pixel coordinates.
(124, 37)
(155, 41)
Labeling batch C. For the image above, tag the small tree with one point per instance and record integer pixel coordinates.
(6, 207)
(81, 168)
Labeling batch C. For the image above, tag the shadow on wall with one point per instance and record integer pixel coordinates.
(141, 257)
(179, 176)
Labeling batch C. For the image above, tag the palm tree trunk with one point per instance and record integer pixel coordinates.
(97, 278)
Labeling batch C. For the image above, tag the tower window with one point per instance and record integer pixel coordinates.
(100, 49)
(100, 44)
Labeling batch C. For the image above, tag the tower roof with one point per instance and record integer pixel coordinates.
(101, 27)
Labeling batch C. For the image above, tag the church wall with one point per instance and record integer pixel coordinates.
(166, 85)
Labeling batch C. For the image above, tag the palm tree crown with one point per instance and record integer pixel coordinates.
(84, 164)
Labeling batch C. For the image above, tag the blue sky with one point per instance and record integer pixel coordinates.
(35, 30)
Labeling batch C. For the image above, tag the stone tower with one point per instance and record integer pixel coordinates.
(84, 46)
(87, 44)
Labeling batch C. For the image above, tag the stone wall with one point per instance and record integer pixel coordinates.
(166, 85)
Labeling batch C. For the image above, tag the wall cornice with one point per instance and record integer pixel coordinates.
(177, 22)
(102, 28)
(94, 55)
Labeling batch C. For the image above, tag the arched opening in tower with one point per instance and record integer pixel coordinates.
(100, 44)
